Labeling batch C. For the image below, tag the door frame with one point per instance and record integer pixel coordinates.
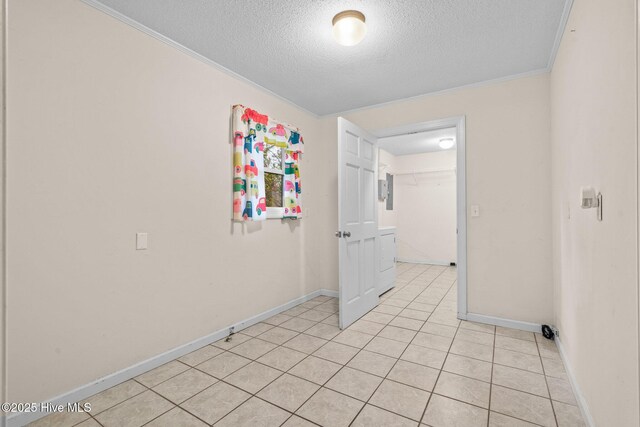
(461, 191)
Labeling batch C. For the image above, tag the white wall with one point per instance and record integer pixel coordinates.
(111, 132)
(508, 175)
(425, 207)
(594, 142)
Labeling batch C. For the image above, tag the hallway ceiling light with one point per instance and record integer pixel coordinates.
(446, 143)
(349, 28)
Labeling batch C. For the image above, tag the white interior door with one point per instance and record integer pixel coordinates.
(358, 221)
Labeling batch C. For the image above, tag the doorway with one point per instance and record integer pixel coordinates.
(358, 213)
(427, 164)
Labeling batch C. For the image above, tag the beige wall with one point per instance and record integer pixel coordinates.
(594, 119)
(508, 175)
(320, 196)
(112, 132)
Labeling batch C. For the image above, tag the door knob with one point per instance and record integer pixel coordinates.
(347, 234)
(338, 233)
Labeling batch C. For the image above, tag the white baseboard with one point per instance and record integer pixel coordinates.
(424, 261)
(582, 403)
(534, 327)
(329, 293)
(87, 390)
(507, 323)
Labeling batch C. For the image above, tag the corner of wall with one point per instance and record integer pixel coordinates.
(594, 98)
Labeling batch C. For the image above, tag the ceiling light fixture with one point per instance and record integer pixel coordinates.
(349, 28)
(446, 143)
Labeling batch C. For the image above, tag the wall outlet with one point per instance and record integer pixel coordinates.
(142, 241)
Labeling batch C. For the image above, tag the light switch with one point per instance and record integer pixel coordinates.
(475, 210)
(142, 240)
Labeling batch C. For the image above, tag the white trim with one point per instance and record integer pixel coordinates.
(552, 57)
(442, 92)
(507, 323)
(461, 191)
(418, 127)
(423, 261)
(461, 208)
(282, 161)
(582, 403)
(385, 279)
(137, 25)
(111, 380)
(561, 28)
(274, 171)
(329, 293)
(275, 212)
(141, 27)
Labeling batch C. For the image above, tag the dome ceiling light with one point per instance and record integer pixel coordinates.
(446, 143)
(349, 28)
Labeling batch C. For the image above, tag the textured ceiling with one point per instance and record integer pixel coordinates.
(415, 143)
(411, 48)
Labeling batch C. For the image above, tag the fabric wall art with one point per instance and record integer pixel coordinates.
(253, 133)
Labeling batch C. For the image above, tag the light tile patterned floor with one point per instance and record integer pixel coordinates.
(408, 362)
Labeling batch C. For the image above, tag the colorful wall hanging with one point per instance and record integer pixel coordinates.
(251, 132)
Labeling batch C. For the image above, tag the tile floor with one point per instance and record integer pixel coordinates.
(408, 362)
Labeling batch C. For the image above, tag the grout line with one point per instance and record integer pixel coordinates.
(493, 358)
(405, 349)
(398, 359)
(424, 412)
(128, 398)
(553, 408)
(321, 386)
(415, 280)
(195, 367)
(252, 360)
(222, 380)
(170, 409)
(283, 372)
